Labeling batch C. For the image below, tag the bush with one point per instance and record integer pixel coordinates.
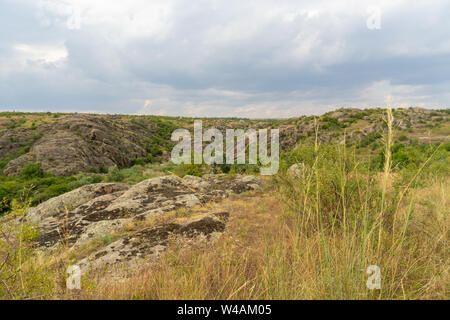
(329, 123)
(137, 161)
(32, 170)
(81, 180)
(413, 156)
(154, 150)
(189, 169)
(133, 175)
(369, 139)
(114, 174)
(39, 189)
(102, 169)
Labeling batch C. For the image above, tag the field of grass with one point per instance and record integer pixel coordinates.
(308, 236)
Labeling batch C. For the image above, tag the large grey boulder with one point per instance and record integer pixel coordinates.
(97, 210)
(57, 206)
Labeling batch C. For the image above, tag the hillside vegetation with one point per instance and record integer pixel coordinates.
(44, 155)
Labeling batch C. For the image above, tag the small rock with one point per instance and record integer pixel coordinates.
(297, 170)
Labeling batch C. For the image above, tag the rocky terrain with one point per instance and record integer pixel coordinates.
(98, 210)
(65, 144)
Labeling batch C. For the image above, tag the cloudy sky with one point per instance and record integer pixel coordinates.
(249, 58)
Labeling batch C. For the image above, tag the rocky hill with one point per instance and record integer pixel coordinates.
(74, 143)
(65, 144)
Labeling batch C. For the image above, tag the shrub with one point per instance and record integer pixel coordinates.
(137, 161)
(189, 169)
(39, 189)
(154, 150)
(114, 174)
(32, 170)
(413, 156)
(369, 139)
(81, 180)
(329, 123)
(132, 175)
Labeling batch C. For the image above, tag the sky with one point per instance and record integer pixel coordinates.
(254, 58)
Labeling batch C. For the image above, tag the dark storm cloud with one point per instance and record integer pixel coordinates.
(218, 58)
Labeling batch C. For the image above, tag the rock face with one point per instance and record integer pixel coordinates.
(53, 208)
(80, 142)
(150, 242)
(97, 210)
